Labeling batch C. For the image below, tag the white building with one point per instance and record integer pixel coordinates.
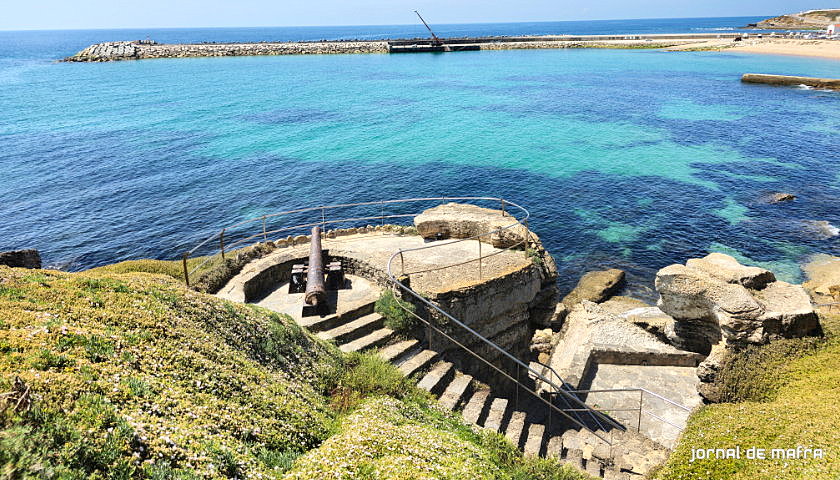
(833, 29)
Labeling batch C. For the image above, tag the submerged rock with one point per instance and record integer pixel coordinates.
(780, 197)
(595, 287)
(21, 258)
(821, 229)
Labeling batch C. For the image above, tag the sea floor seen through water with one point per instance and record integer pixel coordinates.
(625, 158)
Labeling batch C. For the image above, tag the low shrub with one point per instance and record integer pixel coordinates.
(398, 314)
(366, 375)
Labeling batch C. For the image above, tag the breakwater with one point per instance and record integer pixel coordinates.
(144, 49)
(785, 80)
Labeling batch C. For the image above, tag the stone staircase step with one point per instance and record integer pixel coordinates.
(371, 340)
(417, 362)
(593, 467)
(496, 415)
(515, 426)
(574, 458)
(474, 408)
(455, 391)
(555, 447)
(615, 474)
(320, 324)
(534, 440)
(356, 329)
(395, 351)
(436, 379)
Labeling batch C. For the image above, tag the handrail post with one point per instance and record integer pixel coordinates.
(222, 243)
(503, 207)
(527, 237)
(479, 258)
(186, 270)
(641, 400)
(265, 237)
(323, 217)
(402, 264)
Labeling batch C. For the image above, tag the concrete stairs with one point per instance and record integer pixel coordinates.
(630, 457)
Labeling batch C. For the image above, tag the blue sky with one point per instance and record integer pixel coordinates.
(67, 14)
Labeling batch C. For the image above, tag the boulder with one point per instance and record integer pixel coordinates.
(457, 220)
(710, 304)
(21, 258)
(595, 287)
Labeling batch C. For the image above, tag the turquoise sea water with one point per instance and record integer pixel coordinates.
(632, 159)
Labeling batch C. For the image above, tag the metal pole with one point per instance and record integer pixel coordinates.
(641, 399)
(402, 264)
(186, 271)
(265, 237)
(516, 402)
(479, 258)
(382, 218)
(503, 207)
(527, 237)
(323, 216)
(222, 243)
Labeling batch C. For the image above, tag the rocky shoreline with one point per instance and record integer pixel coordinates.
(146, 49)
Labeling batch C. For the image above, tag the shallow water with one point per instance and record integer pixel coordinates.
(632, 159)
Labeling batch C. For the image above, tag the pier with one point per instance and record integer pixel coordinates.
(791, 81)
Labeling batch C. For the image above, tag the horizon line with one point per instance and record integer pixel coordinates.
(360, 25)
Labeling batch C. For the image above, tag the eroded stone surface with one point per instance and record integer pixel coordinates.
(709, 302)
(458, 220)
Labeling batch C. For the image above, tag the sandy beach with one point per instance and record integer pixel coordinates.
(778, 46)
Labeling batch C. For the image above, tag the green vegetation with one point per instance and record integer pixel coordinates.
(787, 395)
(134, 376)
(535, 256)
(130, 376)
(209, 277)
(398, 314)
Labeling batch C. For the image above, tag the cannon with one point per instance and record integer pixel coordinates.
(315, 279)
(316, 291)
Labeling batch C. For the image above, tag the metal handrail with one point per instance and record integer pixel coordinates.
(566, 395)
(323, 209)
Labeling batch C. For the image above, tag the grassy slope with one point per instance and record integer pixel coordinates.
(134, 376)
(134, 372)
(788, 394)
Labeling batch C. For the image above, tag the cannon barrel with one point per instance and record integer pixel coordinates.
(316, 292)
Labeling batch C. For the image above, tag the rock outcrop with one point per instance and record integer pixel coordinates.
(716, 299)
(458, 220)
(21, 258)
(595, 287)
(812, 19)
(823, 283)
(719, 305)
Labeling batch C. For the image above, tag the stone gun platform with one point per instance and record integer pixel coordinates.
(367, 256)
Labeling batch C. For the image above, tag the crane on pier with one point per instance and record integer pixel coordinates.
(437, 42)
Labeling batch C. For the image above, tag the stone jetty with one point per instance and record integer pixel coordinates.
(785, 80)
(147, 49)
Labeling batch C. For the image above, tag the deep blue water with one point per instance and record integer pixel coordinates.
(632, 159)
